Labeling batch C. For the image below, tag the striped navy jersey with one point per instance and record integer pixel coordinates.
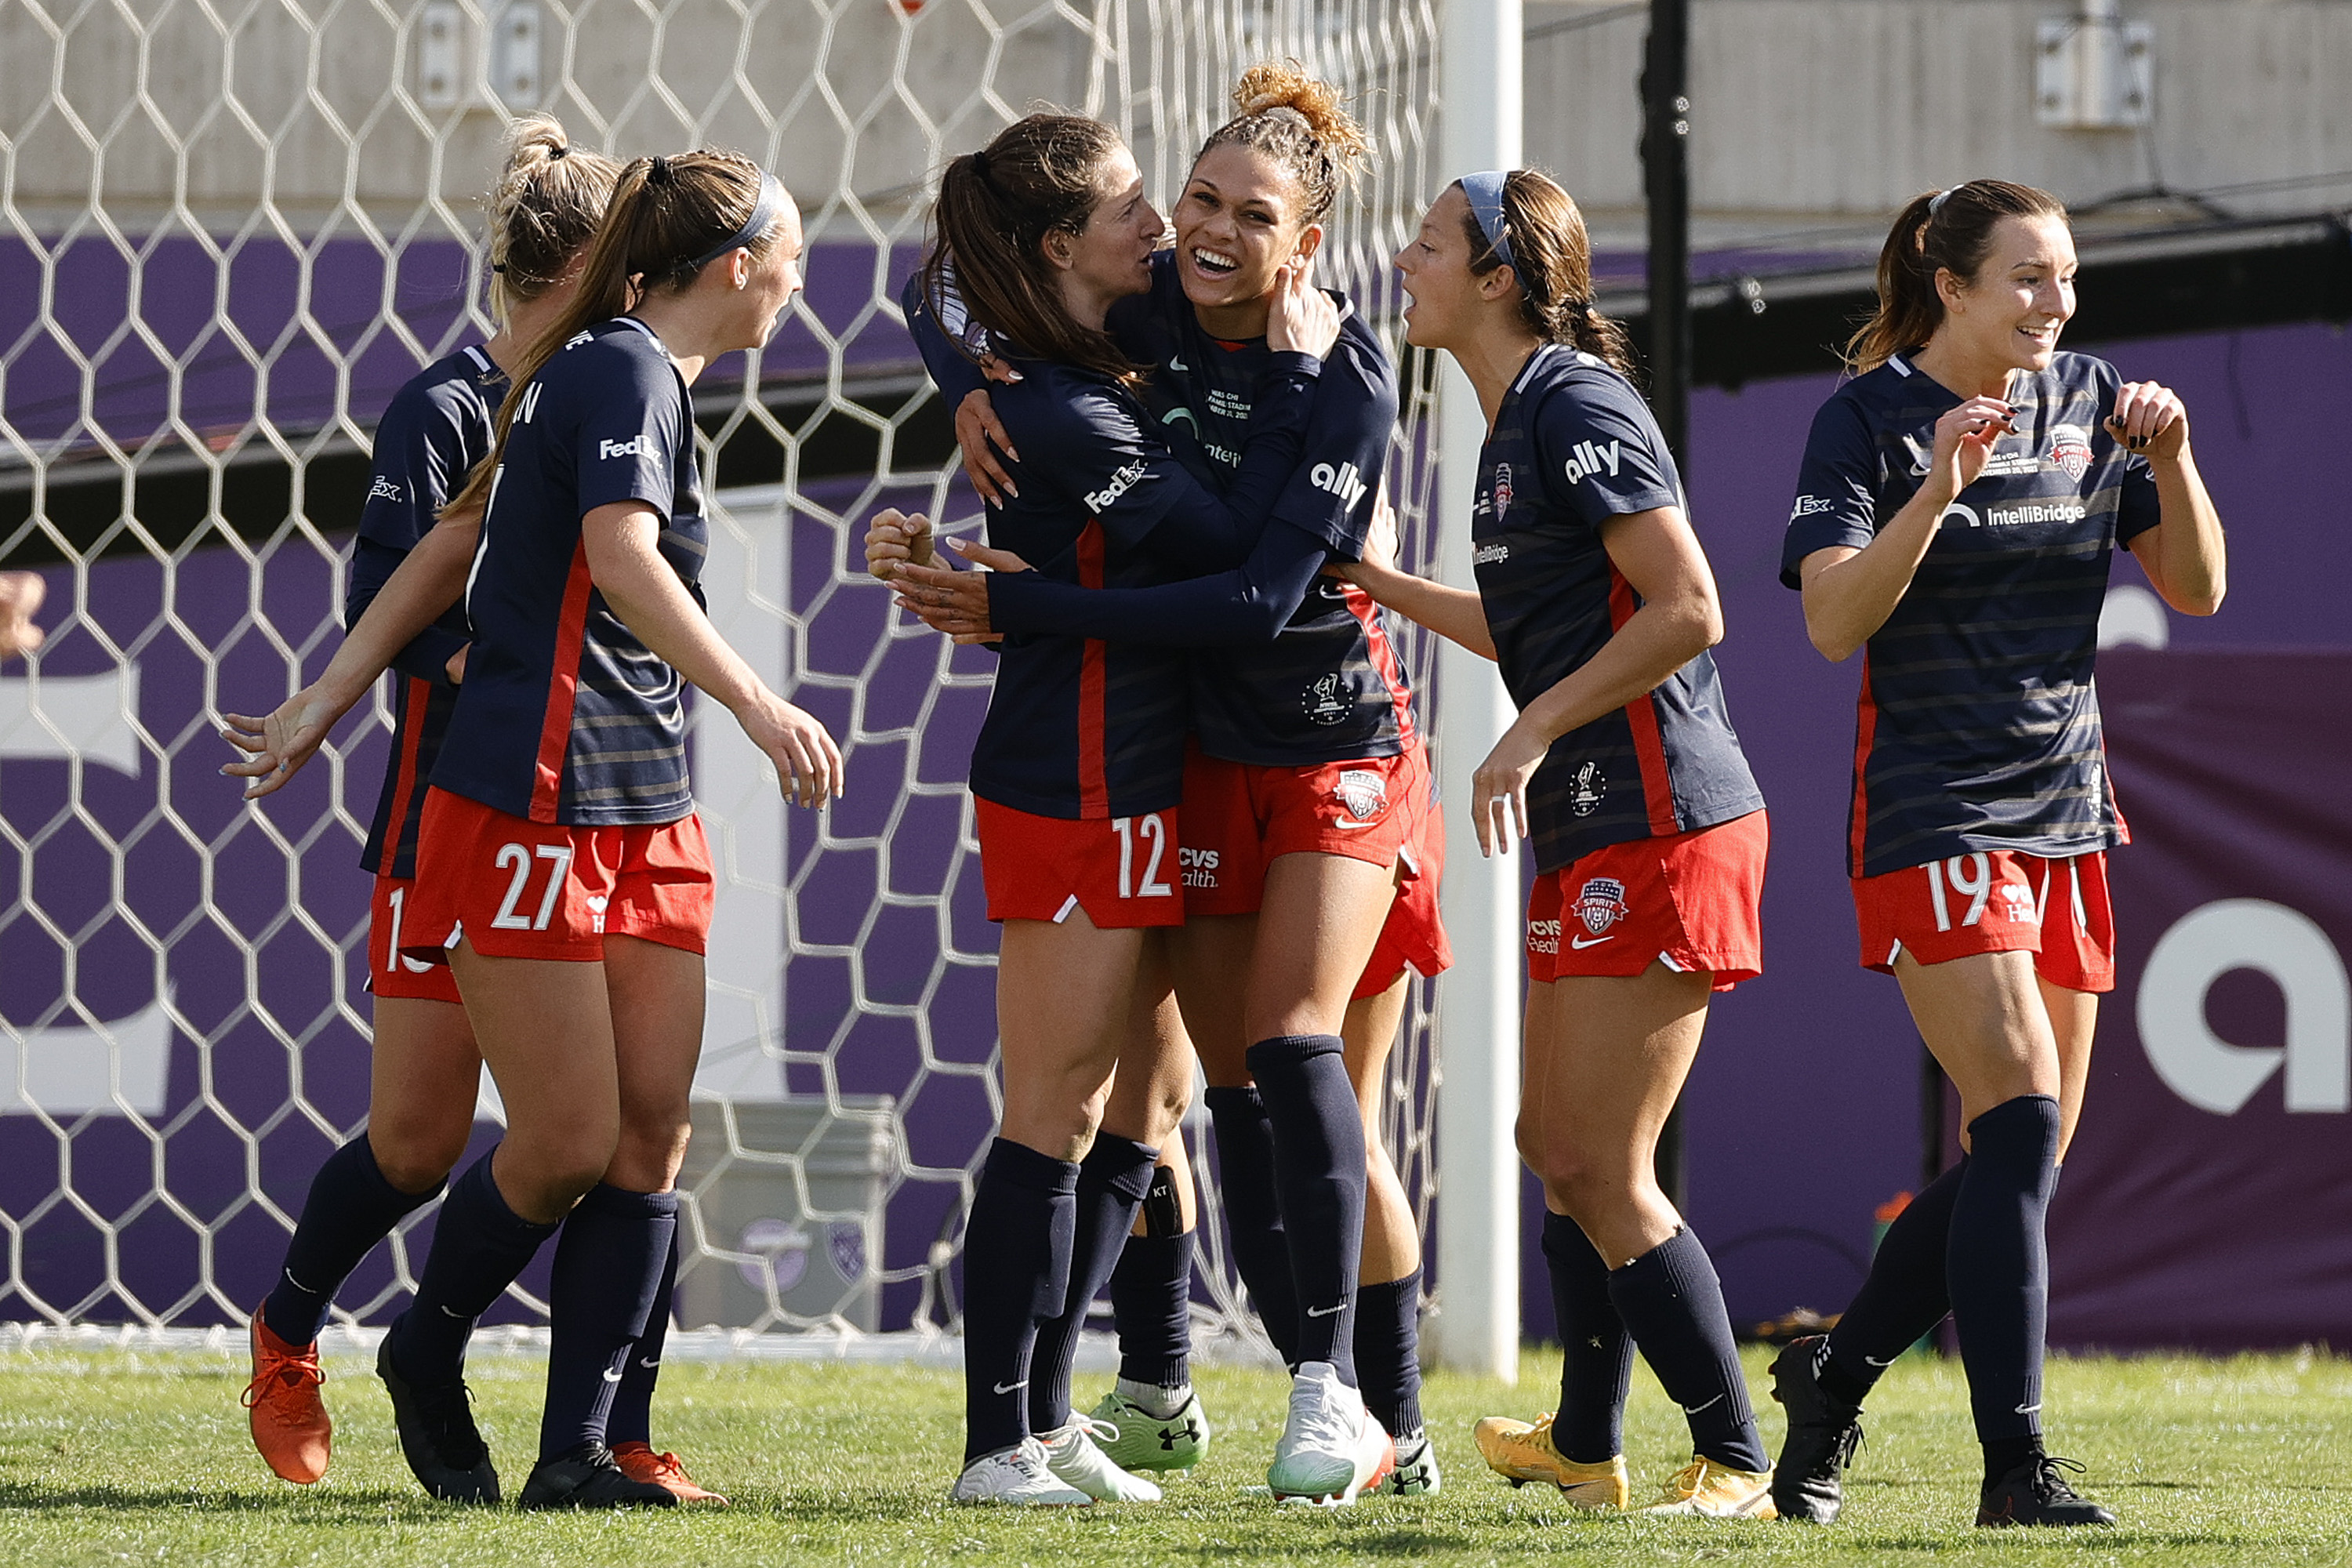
(1979, 724)
(1573, 445)
(564, 715)
(435, 430)
(1330, 687)
(1078, 727)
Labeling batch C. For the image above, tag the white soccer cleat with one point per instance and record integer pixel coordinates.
(1331, 1448)
(1017, 1475)
(1072, 1455)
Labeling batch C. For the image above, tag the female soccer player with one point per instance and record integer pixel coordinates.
(1078, 766)
(560, 869)
(426, 1069)
(1956, 509)
(1306, 796)
(1649, 833)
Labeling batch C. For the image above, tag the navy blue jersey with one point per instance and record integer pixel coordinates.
(565, 716)
(1573, 445)
(1329, 687)
(435, 429)
(1078, 727)
(1979, 725)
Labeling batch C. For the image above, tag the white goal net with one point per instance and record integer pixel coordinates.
(232, 228)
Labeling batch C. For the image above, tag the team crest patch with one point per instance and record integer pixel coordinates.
(1602, 904)
(1325, 704)
(1363, 795)
(1586, 790)
(845, 1245)
(2070, 450)
(1502, 490)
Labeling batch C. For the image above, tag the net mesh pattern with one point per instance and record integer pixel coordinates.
(231, 231)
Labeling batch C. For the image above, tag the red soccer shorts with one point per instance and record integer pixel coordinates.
(1995, 901)
(1413, 934)
(515, 889)
(1120, 870)
(1239, 817)
(390, 973)
(1692, 902)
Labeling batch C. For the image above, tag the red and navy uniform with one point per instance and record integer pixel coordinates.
(435, 429)
(1573, 445)
(565, 717)
(1979, 726)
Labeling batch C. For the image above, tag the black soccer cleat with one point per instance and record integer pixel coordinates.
(437, 1435)
(2034, 1493)
(588, 1477)
(1824, 1433)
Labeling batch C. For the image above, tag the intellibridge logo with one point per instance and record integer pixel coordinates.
(2015, 516)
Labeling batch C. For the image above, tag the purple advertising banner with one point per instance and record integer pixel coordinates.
(2207, 1198)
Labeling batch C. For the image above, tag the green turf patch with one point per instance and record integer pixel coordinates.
(118, 1458)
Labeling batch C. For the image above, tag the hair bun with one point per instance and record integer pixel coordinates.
(1283, 89)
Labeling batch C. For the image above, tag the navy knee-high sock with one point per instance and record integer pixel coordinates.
(1999, 1269)
(1016, 1249)
(1904, 1296)
(1151, 1306)
(632, 1420)
(1112, 1180)
(479, 1245)
(1388, 1352)
(1253, 1211)
(1318, 1171)
(608, 1269)
(1672, 1303)
(1596, 1369)
(349, 1208)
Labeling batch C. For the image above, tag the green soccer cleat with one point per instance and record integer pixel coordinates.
(1148, 1442)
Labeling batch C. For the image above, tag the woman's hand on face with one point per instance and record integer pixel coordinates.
(809, 768)
(1965, 437)
(1501, 780)
(1303, 319)
(894, 539)
(979, 435)
(2150, 419)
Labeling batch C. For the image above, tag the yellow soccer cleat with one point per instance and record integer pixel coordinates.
(1704, 1489)
(1520, 1453)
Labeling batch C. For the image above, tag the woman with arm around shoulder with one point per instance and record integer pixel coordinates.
(1648, 830)
(1958, 507)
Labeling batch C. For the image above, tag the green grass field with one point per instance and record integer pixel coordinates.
(117, 1458)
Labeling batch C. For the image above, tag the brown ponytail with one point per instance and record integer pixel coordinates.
(665, 215)
(1946, 231)
(546, 205)
(1040, 176)
(1552, 258)
(1296, 120)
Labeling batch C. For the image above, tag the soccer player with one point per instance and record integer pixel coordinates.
(1078, 767)
(426, 1071)
(560, 869)
(1955, 512)
(1306, 799)
(1648, 830)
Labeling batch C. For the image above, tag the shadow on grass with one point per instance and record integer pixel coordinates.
(338, 1507)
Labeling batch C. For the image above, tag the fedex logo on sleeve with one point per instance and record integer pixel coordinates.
(636, 446)
(1587, 460)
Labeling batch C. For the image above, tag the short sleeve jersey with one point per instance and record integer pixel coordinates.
(1979, 724)
(435, 430)
(1331, 686)
(565, 717)
(1077, 728)
(1573, 445)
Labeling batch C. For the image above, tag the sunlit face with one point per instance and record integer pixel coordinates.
(768, 283)
(1443, 296)
(1236, 224)
(1111, 258)
(2020, 299)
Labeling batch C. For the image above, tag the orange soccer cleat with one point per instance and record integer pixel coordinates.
(289, 1421)
(640, 1463)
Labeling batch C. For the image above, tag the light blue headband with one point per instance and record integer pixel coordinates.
(1485, 194)
(764, 213)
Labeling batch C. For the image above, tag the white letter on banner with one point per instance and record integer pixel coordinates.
(2270, 940)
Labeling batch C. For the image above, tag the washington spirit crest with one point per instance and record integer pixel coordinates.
(1602, 904)
(1363, 795)
(1586, 789)
(1502, 490)
(1325, 703)
(2070, 450)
